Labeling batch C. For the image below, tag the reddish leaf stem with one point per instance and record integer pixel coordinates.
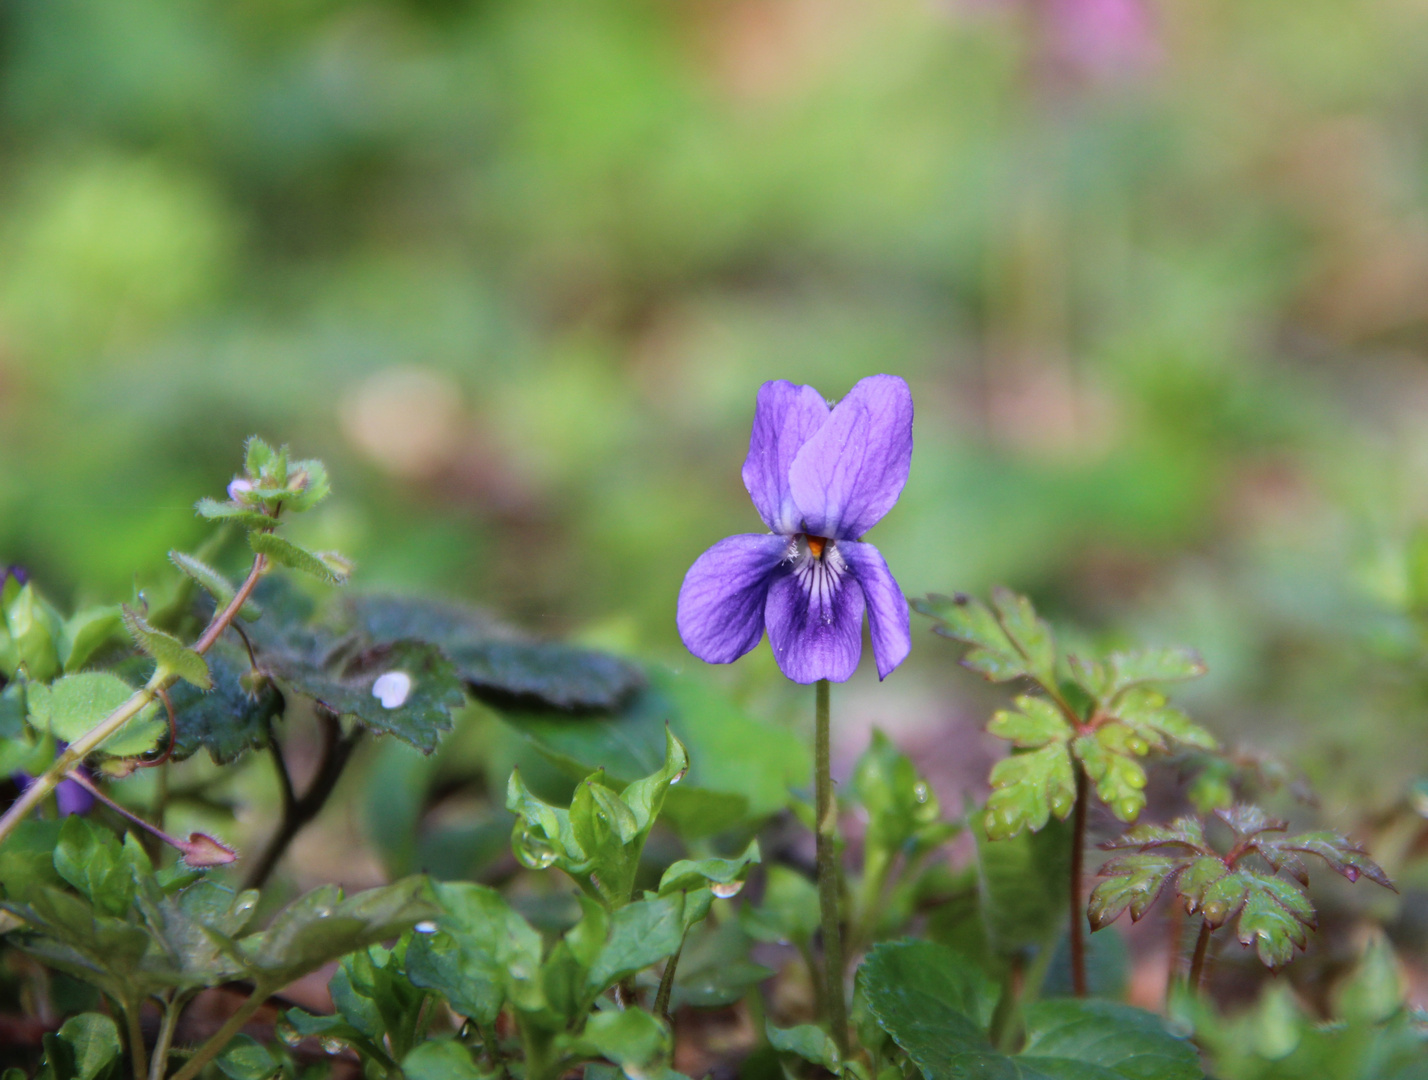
(1078, 847)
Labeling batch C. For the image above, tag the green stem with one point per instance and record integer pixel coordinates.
(826, 811)
(96, 736)
(159, 1063)
(1197, 963)
(666, 983)
(136, 1039)
(224, 1035)
(1078, 847)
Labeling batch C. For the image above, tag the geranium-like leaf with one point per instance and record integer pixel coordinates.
(1276, 918)
(1150, 715)
(230, 719)
(1248, 820)
(1028, 788)
(168, 652)
(1119, 778)
(1034, 723)
(1132, 882)
(328, 566)
(1342, 855)
(1008, 640)
(1184, 832)
(1127, 669)
(502, 666)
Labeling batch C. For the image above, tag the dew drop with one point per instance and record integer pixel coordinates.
(920, 791)
(677, 777)
(392, 689)
(332, 1046)
(725, 889)
(289, 1035)
(532, 851)
(1351, 873)
(426, 926)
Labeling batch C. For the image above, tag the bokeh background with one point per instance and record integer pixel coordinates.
(1157, 273)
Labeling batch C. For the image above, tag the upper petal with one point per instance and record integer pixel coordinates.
(721, 603)
(852, 469)
(888, 617)
(815, 619)
(785, 417)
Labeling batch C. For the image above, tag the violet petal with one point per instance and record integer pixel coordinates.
(721, 603)
(851, 471)
(72, 798)
(815, 621)
(889, 619)
(785, 418)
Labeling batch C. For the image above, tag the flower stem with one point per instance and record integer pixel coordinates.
(136, 1038)
(159, 1064)
(224, 1035)
(1078, 848)
(1197, 962)
(666, 984)
(96, 736)
(826, 811)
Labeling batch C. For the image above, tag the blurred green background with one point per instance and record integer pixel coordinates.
(1156, 273)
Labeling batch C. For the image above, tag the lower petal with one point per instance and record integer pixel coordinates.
(888, 617)
(721, 603)
(815, 622)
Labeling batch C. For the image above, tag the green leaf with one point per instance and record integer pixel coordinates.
(27, 858)
(1027, 789)
(726, 876)
(1127, 669)
(936, 1007)
(307, 485)
(482, 954)
(35, 631)
(1008, 640)
(502, 666)
(228, 720)
(631, 1038)
(259, 458)
(86, 632)
(322, 926)
(233, 513)
(407, 689)
(807, 1041)
(1275, 919)
(1147, 712)
(74, 705)
(440, 1059)
(91, 859)
(1021, 886)
(1118, 777)
(172, 655)
(1134, 882)
(245, 1058)
(304, 1025)
(1035, 723)
(219, 587)
(788, 911)
(1342, 855)
(328, 566)
(94, 1042)
(641, 934)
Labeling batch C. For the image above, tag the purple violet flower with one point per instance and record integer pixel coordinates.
(820, 478)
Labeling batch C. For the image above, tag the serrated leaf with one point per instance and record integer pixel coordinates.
(233, 513)
(1342, 855)
(1273, 929)
(1247, 820)
(72, 706)
(1034, 723)
(1119, 779)
(328, 566)
(1223, 896)
(1184, 832)
(1127, 669)
(502, 666)
(1148, 712)
(1132, 882)
(968, 620)
(171, 654)
(1028, 789)
(217, 586)
(407, 688)
(228, 720)
(1030, 634)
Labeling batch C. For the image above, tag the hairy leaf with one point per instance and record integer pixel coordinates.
(326, 566)
(1028, 789)
(171, 654)
(228, 720)
(74, 705)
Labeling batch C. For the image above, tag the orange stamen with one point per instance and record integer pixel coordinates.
(816, 545)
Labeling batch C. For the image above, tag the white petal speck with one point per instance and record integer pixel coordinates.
(392, 689)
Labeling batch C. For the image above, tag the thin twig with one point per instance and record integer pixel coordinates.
(1078, 847)
(298, 811)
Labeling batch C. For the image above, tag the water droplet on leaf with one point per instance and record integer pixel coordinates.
(288, 1034)
(392, 689)
(725, 889)
(426, 926)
